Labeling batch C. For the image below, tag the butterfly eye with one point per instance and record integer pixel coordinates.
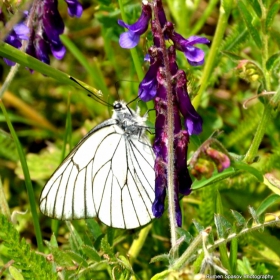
(118, 106)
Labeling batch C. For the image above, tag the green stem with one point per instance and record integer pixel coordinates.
(201, 21)
(225, 9)
(267, 113)
(27, 178)
(253, 150)
(4, 207)
(138, 243)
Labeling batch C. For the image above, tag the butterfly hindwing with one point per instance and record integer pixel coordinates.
(108, 175)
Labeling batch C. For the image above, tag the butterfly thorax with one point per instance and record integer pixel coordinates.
(130, 122)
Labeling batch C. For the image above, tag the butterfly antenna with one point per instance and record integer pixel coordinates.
(91, 94)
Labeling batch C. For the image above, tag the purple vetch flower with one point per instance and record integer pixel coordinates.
(19, 32)
(160, 188)
(181, 149)
(148, 86)
(75, 8)
(194, 55)
(158, 79)
(130, 39)
(193, 121)
(45, 26)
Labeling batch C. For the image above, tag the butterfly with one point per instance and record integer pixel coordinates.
(109, 174)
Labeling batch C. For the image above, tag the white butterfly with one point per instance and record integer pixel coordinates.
(109, 174)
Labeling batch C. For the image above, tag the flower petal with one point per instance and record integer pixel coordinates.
(195, 56)
(148, 87)
(75, 8)
(21, 31)
(193, 121)
(129, 40)
(197, 40)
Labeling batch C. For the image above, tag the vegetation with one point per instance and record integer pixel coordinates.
(230, 219)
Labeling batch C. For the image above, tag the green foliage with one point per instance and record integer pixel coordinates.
(28, 263)
(7, 146)
(241, 70)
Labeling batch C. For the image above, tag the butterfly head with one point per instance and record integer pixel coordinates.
(119, 106)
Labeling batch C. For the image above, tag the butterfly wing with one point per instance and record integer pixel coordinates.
(108, 175)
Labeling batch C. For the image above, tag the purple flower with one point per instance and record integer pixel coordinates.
(194, 55)
(181, 148)
(44, 29)
(130, 39)
(148, 87)
(193, 121)
(19, 32)
(154, 86)
(75, 8)
(160, 188)
(44, 37)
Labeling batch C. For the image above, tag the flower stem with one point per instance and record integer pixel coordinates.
(170, 132)
(267, 112)
(225, 9)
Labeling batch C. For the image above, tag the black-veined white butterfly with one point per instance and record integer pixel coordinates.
(109, 174)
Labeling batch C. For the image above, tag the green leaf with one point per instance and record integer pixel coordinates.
(238, 217)
(26, 60)
(256, 6)
(232, 56)
(272, 182)
(186, 234)
(53, 241)
(272, 199)
(248, 168)
(15, 273)
(254, 215)
(233, 252)
(275, 100)
(91, 253)
(248, 21)
(94, 228)
(7, 146)
(223, 226)
(75, 238)
(272, 12)
(268, 240)
(198, 184)
(244, 267)
(77, 258)
(198, 226)
(28, 182)
(160, 258)
(273, 59)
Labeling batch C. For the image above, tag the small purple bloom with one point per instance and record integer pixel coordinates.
(194, 55)
(75, 8)
(157, 80)
(160, 188)
(53, 26)
(148, 87)
(130, 39)
(181, 149)
(19, 32)
(44, 29)
(193, 121)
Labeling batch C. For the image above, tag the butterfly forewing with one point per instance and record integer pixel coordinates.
(109, 174)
